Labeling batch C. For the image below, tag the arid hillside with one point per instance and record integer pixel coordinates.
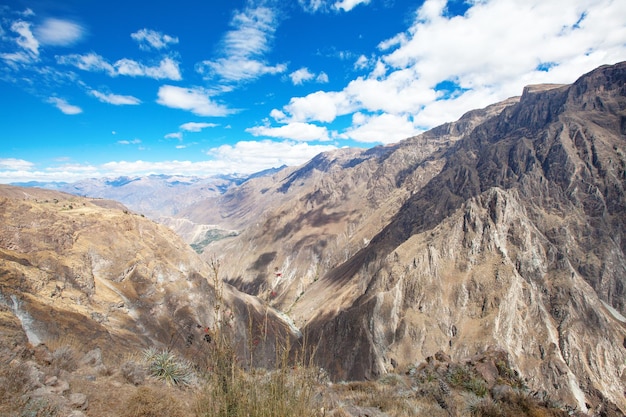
(91, 270)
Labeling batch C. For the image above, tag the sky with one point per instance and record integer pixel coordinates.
(206, 87)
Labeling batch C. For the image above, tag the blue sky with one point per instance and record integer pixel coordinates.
(201, 87)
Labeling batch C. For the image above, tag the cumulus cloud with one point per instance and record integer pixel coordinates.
(384, 128)
(195, 100)
(322, 78)
(244, 47)
(488, 53)
(115, 99)
(58, 32)
(294, 131)
(303, 75)
(253, 156)
(500, 45)
(320, 106)
(196, 126)
(64, 106)
(147, 39)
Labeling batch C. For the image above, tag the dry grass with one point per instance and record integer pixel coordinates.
(227, 390)
(153, 402)
(15, 380)
(390, 395)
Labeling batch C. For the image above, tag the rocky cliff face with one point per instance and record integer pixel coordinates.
(505, 228)
(91, 271)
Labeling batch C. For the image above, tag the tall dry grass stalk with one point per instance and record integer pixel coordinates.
(231, 389)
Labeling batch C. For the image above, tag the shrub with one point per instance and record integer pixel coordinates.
(15, 380)
(463, 377)
(64, 358)
(165, 366)
(484, 407)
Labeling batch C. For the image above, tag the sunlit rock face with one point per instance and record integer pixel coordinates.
(505, 228)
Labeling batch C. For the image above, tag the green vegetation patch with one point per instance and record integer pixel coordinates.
(212, 235)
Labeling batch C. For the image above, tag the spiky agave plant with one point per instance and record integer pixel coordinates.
(164, 365)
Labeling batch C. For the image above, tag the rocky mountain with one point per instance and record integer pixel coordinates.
(90, 270)
(504, 228)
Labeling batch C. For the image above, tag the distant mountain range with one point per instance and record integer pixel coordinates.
(152, 195)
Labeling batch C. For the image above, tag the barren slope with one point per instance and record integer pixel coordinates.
(91, 270)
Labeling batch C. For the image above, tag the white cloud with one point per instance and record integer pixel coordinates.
(244, 47)
(300, 76)
(313, 6)
(295, 131)
(498, 43)
(253, 156)
(319, 106)
(245, 157)
(147, 38)
(14, 164)
(87, 62)
(195, 100)
(174, 135)
(17, 57)
(347, 5)
(303, 74)
(167, 68)
(115, 99)
(64, 106)
(490, 53)
(322, 78)
(64, 173)
(129, 142)
(59, 32)
(385, 128)
(362, 62)
(196, 126)
(26, 39)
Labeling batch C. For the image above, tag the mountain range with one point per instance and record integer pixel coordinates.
(504, 229)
